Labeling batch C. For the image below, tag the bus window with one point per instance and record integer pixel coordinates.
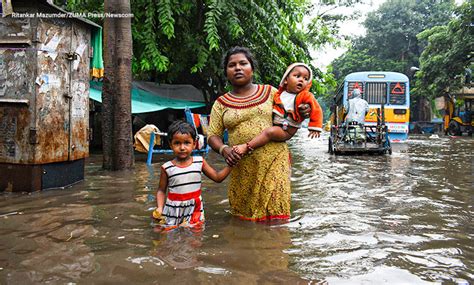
(355, 85)
(376, 92)
(397, 93)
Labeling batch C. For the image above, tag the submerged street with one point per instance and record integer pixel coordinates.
(404, 218)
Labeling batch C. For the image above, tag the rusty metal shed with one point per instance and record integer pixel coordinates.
(44, 96)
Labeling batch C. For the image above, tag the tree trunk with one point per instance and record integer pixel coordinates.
(420, 110)
(116, 95)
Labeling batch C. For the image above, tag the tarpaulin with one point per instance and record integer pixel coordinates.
(144, 101)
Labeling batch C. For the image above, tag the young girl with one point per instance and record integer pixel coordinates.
(293, 91)
(182, 178)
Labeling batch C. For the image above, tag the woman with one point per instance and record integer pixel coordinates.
(259, 187)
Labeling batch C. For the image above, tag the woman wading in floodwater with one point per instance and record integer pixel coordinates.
(259, 187)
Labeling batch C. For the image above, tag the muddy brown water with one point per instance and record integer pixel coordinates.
(399, 219)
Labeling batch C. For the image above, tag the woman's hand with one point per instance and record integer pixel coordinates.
(231, 157)
(304, 110)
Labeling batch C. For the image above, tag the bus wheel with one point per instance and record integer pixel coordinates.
(454, 129)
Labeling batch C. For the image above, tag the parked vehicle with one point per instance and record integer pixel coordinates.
(458, 114)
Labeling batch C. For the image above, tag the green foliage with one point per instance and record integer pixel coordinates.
(391, 43)
(191, 51)
(448, 53)
(182, 41)
(165, 17)
(355, 60)
(83, 6)
(324, 27)
(212, 17)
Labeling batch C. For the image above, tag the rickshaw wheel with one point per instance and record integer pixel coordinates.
(330, 146)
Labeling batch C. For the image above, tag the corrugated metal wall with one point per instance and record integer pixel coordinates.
(61, 84)
(17, 94)
(44, 98)
(43, 90)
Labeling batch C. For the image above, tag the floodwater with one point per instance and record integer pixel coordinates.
(399, 219)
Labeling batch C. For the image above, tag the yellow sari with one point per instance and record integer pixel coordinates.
(259, 187)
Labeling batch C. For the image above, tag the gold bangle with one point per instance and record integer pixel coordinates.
(222, 148)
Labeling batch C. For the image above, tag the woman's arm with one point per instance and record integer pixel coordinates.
(217, 176)
(231, 157)
(215, 131)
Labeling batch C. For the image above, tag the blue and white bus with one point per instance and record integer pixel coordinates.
(382, 87)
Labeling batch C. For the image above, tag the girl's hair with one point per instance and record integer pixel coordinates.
(235, 50)
(181, 127)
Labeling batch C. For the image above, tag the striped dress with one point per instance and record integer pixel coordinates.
(184, 202)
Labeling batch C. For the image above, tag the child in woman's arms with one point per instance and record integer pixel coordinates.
(293, 91)
(181, 178)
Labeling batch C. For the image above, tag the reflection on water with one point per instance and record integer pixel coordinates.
(399, 219)
(365, 217)
(179, 248)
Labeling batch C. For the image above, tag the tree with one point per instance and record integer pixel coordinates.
(183, 41)
(359, 60)
(448, 53)
(116, 101)
(392, 29)
(391, 42)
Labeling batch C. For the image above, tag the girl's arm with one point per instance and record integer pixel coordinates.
(217, 176)
(161, 193)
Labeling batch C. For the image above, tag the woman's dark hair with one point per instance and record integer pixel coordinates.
(235, 50)
(181, 127)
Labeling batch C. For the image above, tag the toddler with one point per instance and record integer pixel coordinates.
(181, 178)
(293, 91)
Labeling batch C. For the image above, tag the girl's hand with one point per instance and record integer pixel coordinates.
(314, 134)
(230, 156)
(157, 214)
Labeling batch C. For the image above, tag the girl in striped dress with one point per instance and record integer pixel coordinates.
(181, 179)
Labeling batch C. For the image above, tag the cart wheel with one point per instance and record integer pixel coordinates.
(330, 146)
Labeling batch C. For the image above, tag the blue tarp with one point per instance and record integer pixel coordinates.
(144, 101)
